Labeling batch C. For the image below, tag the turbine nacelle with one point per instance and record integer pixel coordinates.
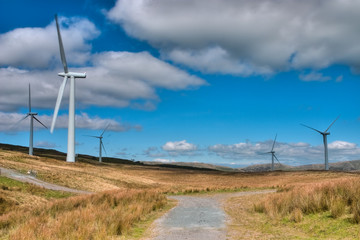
(72, 74)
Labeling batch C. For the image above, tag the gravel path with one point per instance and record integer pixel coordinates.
(196, 217)
(30, 179)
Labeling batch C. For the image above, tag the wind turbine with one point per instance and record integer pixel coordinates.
(101, 145)
(324, 134)
(32, 117)
(72, 75)
(273, 156)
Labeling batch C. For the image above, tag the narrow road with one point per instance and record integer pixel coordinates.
(196, 217)
(30, 179)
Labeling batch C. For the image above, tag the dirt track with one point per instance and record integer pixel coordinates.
(196, 217)
(30, 179)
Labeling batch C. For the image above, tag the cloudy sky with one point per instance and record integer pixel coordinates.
(195, 80)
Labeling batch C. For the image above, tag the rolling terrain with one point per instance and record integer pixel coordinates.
(134, 190)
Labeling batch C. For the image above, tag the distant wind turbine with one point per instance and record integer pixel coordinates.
(72, 75)
(324, 134)
(273, 156)
(32, 117)
(101, 145)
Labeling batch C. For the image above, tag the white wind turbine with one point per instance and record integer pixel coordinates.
(101, 145)
(32, 117)
(324, 134)
(72, 75)
(273, 156)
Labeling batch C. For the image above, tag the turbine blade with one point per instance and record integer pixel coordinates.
(21, 119)
(40, 122)
(264, 153)
(62, 52)
(105, 130)
(29, 99)
(332, 123)
(57, 105)
(312, 128)
(274, 143)
(103, 147)
(91, 136)
(277, 158)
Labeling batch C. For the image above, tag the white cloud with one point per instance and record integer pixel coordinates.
(117, 79)
(314, 76)
(180, 146)
(38, 47)
(213, 60)
(341, 145)
(45, 144)
(9, 122)
(163, 160)
(246, 35)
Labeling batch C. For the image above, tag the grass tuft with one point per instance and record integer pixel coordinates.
(95, 216)
(315, 198)
(296, 215)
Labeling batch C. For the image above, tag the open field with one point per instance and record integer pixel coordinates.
(143, 186)
(89, 175)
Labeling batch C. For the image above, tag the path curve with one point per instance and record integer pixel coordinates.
(196, 217)
(30, 179)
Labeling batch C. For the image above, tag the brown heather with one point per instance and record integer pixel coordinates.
(134, 191)
(337, 197)
(97, 216)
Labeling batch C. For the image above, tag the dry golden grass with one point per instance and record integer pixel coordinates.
(247, 224)
(107, 176)
(100, 213)
(98, 216)
(332, 196)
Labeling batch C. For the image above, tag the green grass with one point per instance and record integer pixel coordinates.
(139, 229)
(8, 184)
(324, 226)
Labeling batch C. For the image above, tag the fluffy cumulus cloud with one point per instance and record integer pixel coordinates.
(246, 36)
(117, 79)
(11, 122)
(38, 47)
(180, 148)
(288, 153)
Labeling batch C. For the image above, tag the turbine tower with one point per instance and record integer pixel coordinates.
(72, 75)
(101, 145)
(273, 156)
(32, 117)
(324, 134)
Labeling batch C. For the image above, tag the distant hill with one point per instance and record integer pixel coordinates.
(338, 166)
(51, 153)
(193, 165)
(266, 168)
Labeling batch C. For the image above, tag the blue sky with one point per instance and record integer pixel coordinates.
(195, 80)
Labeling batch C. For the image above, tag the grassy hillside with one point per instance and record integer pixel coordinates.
(27, 207)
